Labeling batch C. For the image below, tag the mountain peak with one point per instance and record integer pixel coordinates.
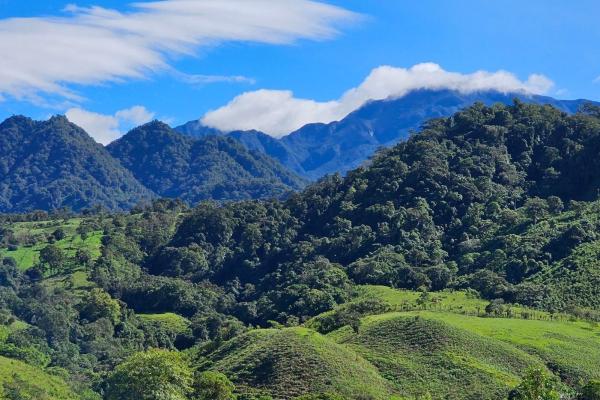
(155, 125)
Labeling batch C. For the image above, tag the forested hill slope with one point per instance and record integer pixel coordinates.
(494, 199)
(470, 199)
(219, 168)
(53, 164)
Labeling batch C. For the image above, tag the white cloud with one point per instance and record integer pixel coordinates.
(48, 55)
(107, 128)
(278, 112)
(136, 115)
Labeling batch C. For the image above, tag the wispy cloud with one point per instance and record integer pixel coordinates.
(107, 128)
(278, 112)
(87, 46)
(198, 79)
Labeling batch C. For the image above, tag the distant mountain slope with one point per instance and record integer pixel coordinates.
(319, 149)
(219, 168)
(52, 164)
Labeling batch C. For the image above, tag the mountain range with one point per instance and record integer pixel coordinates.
(319, 149)
(53, 164)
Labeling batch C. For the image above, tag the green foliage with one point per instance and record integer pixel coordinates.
(591, 391)
(491, 213)
(322, 396)
(294, 361)
(152, 375)
(21, 381)
(214, 386)
(536, 385)
(52, 257)
(98, 304)
(53, 164)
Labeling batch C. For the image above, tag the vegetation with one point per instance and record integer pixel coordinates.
(155, 374)
(55, 164)
(536, 384)
(447, 268)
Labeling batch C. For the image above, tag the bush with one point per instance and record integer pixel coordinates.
(591, 391)
(152, 375)
(537, 384)
(214, 386)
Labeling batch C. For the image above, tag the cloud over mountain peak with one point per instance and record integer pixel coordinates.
(278, 112)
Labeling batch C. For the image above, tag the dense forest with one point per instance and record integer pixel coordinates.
(377, 285)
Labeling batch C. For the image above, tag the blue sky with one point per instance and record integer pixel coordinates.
(556, 39)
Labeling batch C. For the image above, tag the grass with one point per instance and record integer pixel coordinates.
(462, 302)
(442, 348)
(420, 355)
(40, 385)
(169, 321)
(571, 349)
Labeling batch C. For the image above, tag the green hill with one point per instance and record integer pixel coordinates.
(449, 349)
(421, 355)
(23, 241)
(294, 361)
(447, 267)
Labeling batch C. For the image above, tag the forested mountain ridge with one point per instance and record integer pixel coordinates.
(53, 164)
(319, 149)
(448, 198)
(177, 166)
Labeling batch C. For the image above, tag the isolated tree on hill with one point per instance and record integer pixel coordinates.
(98, 304)
(83, 257)
(59, 234)
(53, 257)
(536, 208)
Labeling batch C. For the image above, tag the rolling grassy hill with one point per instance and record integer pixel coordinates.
(443, 346)
(293, 361)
